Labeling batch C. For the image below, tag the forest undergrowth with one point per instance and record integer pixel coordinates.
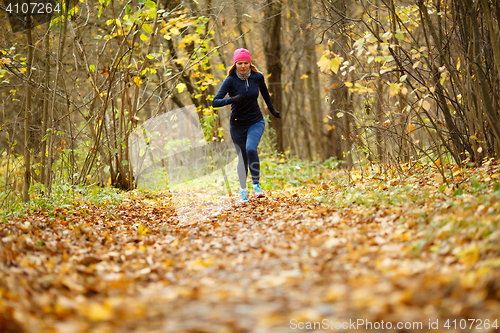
(385, 246)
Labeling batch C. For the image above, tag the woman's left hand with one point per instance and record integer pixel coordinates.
(275, 112)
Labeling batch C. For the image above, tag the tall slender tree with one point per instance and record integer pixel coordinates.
(27, 112)
(272, 49)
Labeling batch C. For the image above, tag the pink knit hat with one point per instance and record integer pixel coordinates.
(241, 55)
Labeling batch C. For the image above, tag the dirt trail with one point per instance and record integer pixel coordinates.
(191, 262)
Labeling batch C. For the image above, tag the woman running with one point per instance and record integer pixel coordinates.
(243, 83)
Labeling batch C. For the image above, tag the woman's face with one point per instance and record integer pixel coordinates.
(242, 67)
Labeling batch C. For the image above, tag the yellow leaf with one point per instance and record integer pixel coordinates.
(174, 31)
(200, 263)
(304, 76)
(469, 256)
(147, 28)
(335, 63)
(99, 312)
(137, 81)
(142, 230)
(144, 37)
(180, 87)
(324, 63)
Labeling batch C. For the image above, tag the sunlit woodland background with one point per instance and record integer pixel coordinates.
(382, 82)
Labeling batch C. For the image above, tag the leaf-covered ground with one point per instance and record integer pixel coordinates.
(374, 246)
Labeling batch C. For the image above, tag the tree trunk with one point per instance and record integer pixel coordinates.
(239, 23)
(60, 50)
(347, 133)
(272, 49)
(45, 109)
(487, 102)
(27, 114)
(312, 82)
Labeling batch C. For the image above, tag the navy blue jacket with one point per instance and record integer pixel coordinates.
(247, 112)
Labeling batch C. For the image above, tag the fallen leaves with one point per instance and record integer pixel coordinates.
(395, 249)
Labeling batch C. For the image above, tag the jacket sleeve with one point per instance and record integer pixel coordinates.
(265, 93)
(219, 99)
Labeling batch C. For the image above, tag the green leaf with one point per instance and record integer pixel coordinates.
(150, 4)
(458, 192)
(442, 188)
(399, 35)
(443, 78)
(128, 9)
(152, 14)
(475, 183)
(125, 162)
(147, 28)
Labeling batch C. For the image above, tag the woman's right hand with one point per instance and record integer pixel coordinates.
(275, 113)
(236, 99)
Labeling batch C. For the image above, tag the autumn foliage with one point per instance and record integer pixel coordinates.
(370, 244)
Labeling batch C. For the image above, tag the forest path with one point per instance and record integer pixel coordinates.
(193, 262)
